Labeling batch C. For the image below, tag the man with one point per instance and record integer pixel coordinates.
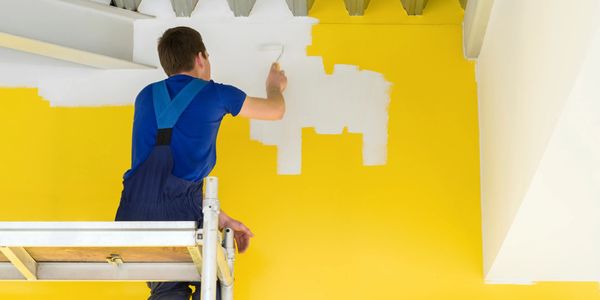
(175, 129)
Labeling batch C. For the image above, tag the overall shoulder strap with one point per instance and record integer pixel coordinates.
(168, 112)
(160, 97)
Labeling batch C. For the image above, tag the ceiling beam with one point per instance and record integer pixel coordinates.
(241, 8)
(356, 7)
(414, 7)
(66, 54)
(300, 7)
(184, 8)
(477, 14)
(88, 29)
(127, 4)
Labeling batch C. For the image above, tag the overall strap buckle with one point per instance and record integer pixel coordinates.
(163, 136)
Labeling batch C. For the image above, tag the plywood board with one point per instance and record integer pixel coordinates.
(93, 254)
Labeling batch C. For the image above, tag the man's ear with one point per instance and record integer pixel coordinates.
(199, 60)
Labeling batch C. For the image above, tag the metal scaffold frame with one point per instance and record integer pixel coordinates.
(212, 253)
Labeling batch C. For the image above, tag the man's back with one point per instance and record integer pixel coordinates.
(193, 141)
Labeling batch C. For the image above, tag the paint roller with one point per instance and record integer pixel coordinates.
(274, 48)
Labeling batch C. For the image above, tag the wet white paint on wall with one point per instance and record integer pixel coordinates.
(351, 98)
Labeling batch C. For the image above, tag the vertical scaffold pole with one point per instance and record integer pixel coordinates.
(210, 232)
(227, 290)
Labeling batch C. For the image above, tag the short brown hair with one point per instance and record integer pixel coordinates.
(177, 49)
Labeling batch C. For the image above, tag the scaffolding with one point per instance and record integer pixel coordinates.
(123, 251)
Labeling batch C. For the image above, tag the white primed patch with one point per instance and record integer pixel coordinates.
(348, 98)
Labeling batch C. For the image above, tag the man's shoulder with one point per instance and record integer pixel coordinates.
(222, 85)
(226, 90)
(144, 96)
(147, 90)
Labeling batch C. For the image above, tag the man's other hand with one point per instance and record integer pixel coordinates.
(241, 233)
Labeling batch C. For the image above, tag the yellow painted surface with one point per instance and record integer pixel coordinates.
(408, 230)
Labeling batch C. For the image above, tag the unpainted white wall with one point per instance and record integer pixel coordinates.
(531, 61)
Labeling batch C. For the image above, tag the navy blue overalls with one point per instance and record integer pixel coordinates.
(153, 193)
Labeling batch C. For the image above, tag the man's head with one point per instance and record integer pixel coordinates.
(181, 50)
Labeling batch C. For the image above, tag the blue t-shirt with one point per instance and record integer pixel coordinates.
(194, 136)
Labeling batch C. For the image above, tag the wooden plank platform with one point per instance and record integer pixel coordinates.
(92, 254)
(82, 250)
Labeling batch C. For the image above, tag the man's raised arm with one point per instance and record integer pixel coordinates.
(273, 107)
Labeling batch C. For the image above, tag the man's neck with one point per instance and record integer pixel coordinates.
(193, 74)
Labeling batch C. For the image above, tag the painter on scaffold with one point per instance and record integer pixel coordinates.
(175, 127)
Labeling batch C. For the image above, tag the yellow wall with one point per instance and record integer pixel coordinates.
(408, 230)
